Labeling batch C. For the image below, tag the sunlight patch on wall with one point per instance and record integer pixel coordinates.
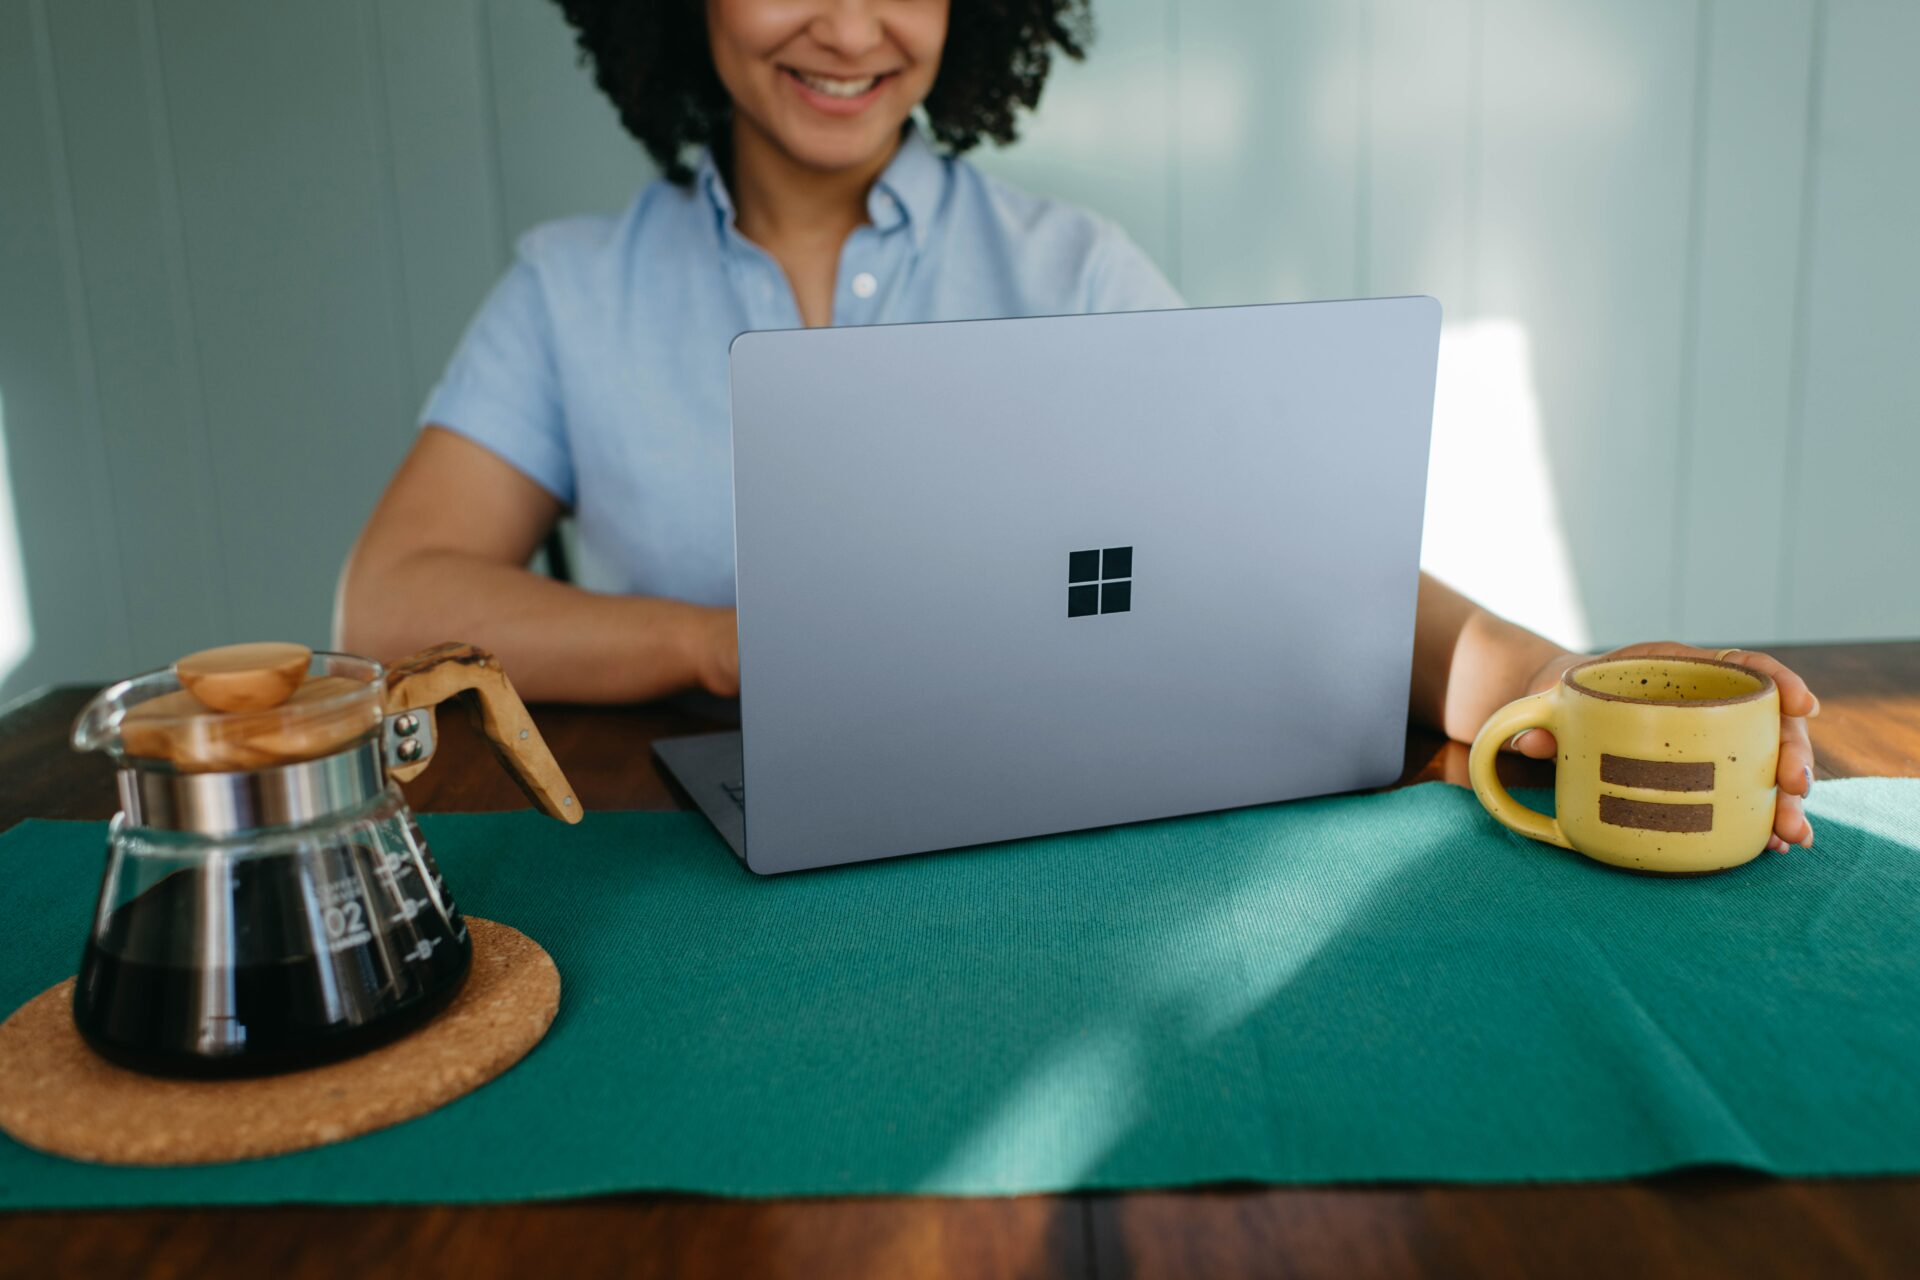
(16, 624)
(1493, 525)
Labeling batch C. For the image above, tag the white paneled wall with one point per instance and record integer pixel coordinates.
(1676, 244)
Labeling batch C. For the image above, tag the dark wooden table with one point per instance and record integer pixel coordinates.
(1694, 1224)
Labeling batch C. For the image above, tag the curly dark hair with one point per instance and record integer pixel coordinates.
(651, 59)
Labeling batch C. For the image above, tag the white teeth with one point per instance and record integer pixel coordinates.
(837, 88)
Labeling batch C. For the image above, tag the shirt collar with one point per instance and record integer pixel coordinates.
(908, 189)
(706, 177)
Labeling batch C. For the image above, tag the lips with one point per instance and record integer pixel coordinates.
(836, 86)
(837, 95)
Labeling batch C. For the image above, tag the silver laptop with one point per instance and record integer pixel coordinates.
(1002, 578)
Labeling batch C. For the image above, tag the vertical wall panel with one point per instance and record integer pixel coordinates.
(1849, 522)
(1417, 219)
(1586, 145)
(167, 521)
(560, 146)
(447, 202)
(1267, 149)
(289, 249)
(60, 545)
(1103, 134)
(1737, 403)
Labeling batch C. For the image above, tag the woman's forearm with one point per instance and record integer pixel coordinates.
(556, 642)
(1468, 663)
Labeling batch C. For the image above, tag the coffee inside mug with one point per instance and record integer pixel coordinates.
(1634, 680)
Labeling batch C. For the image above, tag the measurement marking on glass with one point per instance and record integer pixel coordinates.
(388, 872)
(346, 925)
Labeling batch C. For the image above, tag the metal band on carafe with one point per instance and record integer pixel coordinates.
(220, 804)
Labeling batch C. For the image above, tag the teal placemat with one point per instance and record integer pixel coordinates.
(1373, 987)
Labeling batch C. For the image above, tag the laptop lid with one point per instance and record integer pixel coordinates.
(1002, 578)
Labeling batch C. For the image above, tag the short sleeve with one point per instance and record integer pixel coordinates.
(502, 388)
(1124, 278)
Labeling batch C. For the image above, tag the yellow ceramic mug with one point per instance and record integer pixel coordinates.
(1665, 764)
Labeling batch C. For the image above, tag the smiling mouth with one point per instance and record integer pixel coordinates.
(835, 86)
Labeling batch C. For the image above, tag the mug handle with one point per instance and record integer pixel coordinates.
(1533, 712)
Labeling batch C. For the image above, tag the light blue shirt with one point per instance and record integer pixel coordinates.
(598, 365)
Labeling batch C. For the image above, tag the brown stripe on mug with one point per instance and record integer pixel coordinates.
(1649, 815)
(1657, 775)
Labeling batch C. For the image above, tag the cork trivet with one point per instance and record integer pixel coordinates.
(56, 1094)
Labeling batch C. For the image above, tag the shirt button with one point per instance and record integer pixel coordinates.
(864, 284)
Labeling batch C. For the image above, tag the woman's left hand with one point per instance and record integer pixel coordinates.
(1790, 825)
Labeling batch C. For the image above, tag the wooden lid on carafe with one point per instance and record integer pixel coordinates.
(252, 706)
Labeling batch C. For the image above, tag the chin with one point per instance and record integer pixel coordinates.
(831, 149)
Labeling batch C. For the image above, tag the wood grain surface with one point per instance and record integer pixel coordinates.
(447, 671)
(1699, 1223)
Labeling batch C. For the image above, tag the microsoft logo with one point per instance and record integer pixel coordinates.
(1099, 581)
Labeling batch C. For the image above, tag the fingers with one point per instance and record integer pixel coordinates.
(1790, 821)
(1795, 698)
(1537, 743)
(1795, 772)
(1796, 757)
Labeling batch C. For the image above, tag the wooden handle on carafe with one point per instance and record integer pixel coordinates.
(430, 677)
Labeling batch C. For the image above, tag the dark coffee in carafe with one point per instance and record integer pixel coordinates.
(270, 963)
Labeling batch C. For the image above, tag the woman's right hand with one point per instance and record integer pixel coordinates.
(715, 640)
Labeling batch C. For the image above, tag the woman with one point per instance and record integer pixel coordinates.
(594, 377)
